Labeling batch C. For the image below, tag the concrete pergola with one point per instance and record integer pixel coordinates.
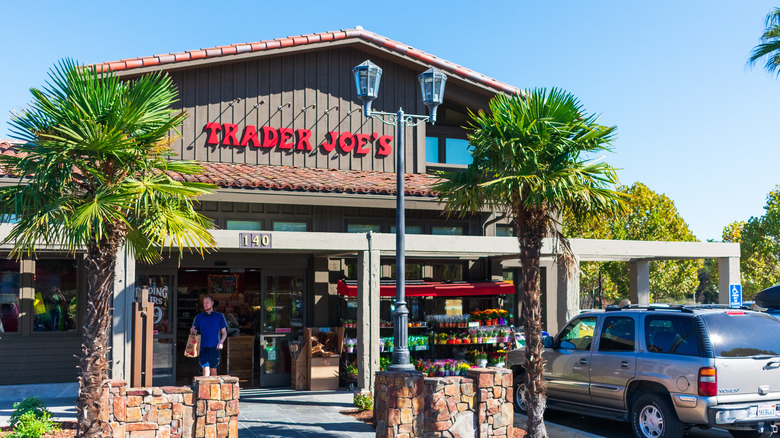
(561, 291)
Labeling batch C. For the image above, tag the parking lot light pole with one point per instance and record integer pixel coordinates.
(367, 77)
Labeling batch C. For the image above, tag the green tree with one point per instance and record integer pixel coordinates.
(531, 161)
(650, 217)
(769, 47)
(759, 240)
(95, 175)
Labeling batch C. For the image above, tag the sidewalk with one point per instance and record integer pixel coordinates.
(283, 413)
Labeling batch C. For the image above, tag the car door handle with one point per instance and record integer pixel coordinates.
(584, 361)
(625, 364)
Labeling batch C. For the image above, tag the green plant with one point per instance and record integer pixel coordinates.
(364, 401)
(351, 369)
(384, 362)
(29, 404)
(31, 424)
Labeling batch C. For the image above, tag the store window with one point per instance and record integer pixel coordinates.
(55, 306)
(363, 228)
(444, 150)
(447, 231)
(413, 271)
(244, 225)
(410, 229)
(448, 272)
(504, 231)
(290, 226)
(9, 296)
(283, 303)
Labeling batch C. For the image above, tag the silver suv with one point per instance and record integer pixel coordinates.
(665, 369)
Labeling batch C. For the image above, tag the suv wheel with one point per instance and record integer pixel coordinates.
(750, 434)
(520, 390)
(652, 416)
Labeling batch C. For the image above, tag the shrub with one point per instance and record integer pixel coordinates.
(364, 401)
(29, 404)
(31, 425)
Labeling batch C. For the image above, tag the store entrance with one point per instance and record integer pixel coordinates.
(282, 322)
(236, 294)
(264, 312)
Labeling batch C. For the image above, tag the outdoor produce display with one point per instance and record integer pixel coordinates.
(445, 345)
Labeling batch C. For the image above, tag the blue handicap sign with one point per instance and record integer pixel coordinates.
(735, 295)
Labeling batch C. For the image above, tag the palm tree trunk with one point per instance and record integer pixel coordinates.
(93, 365)
(530, 228)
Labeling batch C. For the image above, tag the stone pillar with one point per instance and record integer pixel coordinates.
(639, 281)
(728, 274)
(495, 413)
(449, 407)
(368, 317)
(398, 404)
(122, 322)
(216, 406)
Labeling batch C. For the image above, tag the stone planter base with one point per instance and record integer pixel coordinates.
(479, 405)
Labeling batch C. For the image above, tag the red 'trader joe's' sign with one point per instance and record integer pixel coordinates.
(296, 139)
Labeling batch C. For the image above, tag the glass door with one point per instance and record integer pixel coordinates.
(164, 335)
(282, 321)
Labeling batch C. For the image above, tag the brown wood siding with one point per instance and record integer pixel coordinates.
(38, 358)
(297, 91)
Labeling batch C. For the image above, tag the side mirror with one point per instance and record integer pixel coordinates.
(547, 341)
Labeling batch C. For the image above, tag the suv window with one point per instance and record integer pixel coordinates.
(742, 334)
(671, 334)
(617, 334)
(578, 335)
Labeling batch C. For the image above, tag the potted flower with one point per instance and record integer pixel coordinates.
(473, 336)
(451, 338)
(389, 345)
(441, 338)
(502, 316)
(481, 359)
(502, 335)
(350, 344)
(352, 371)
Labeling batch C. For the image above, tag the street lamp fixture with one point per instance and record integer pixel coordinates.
(367, 77)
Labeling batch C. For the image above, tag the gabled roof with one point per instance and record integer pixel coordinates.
(358, 35)
(300, 179)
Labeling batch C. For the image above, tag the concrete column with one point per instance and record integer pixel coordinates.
(568, 292)
(728, 273)
(368, 316)
(639, 281)
(122, 325)
(322, 280)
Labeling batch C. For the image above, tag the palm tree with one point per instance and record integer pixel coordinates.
(531, 162)
(95, 174)
(770, 43)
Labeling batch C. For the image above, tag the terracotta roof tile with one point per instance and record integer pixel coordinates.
(358, 33)
(298, 179)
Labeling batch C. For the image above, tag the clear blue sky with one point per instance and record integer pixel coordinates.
(693, 121)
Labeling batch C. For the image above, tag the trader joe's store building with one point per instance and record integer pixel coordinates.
(306, 197)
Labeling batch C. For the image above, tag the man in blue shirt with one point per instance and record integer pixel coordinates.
(213, 331)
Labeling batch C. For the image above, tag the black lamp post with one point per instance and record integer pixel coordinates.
(432, 81)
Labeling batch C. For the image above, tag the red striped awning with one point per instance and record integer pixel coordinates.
(435, 289)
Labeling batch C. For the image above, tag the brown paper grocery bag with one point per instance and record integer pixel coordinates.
(193, 346)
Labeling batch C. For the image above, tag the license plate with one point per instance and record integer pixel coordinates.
(767, 410)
